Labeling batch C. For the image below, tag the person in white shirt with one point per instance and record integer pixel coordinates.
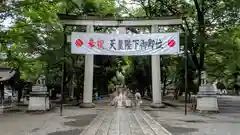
(96, 95)
(115, 101)
(138, 98)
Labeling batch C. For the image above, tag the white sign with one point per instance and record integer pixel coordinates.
(125, 44)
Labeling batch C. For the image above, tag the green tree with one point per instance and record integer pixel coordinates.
(223, 57)
(37, 45)
(201, 19)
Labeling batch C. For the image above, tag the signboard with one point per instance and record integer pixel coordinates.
(125, 44)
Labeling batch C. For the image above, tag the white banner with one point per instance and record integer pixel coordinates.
(125, 44)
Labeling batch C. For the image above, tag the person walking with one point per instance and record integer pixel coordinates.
(96, 95)
(115, 101)
(138, 99)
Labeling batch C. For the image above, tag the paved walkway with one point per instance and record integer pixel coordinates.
(78, 121)
(106, 120)
(177, 123)
(124, 122)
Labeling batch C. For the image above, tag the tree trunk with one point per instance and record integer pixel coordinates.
(201, 36)
(19, 94)
(176, 93)
(164, 85)
(78, 91)
(2, 92)
(149, 93)
(199, 77)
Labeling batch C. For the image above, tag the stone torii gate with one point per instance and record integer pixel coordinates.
(122, 23)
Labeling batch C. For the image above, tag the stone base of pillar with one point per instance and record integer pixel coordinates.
(157, 105)
(87, 105)
(39, 101)
(207, 99)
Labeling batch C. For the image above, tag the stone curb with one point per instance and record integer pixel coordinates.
(171, 104)
(166, 103)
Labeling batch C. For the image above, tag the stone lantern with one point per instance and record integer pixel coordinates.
(207, 96)
(39, 97)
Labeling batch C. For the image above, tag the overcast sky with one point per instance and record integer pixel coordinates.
(7, 22)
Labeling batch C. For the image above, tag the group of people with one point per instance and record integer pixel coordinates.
(124, 97)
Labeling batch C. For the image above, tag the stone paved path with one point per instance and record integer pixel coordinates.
(229, 104)
(124, 122)
(79, 121)
(105, 120)
(177, 123)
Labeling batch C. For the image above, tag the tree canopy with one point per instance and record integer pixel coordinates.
(34, 42)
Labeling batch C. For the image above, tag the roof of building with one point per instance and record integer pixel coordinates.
(6, 74)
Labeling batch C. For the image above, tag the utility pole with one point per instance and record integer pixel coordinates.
(63, 70)
(186, 69)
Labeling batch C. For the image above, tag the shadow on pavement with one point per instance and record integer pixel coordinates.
(67, 132)
(178, 130)
(80, 120)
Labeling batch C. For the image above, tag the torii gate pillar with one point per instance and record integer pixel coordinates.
(156, 77)
(88, 77)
